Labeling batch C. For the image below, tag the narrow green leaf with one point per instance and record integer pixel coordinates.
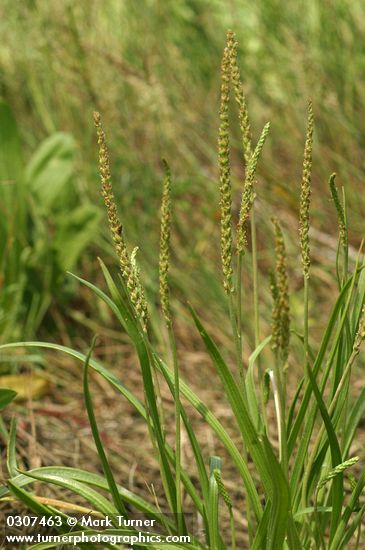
(352, 528)
(356, 414)
(11, 450)
(53, 474)
(259, 542)
(249, 434)
(280, 501)
(252, 401)
(221, 433)
(293, 405)
(337, 485)
(194, 400)
(118, 502)
(339, 309)
(138, 338)
(134, 402)
(200, 407)
(97, 501)
(213, 503)
(42, 510)
(342, 525)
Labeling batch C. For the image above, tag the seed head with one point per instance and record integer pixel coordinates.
(222, 488)
(360, 335)
(275, 314)
(248, 194)
(136, 289)
(306, 194)
(280, 317)
(129, 273)
(225, 186)
(340, 210)
(240, 98)
(165, 243)
(339, 469)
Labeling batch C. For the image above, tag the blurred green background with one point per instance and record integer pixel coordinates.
(152, 68)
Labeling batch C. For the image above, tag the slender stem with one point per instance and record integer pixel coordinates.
(279, 400)
(358, 537)
(236, 338)
(256, 307)
(345, 243)
(255, 282)
(345, 251)
(159, 401)
(306, 320)
(173, 349)
(238, 344)
(346, 263)
(239, 315)
(233, 530)
(160, 412)
(318, 521)
(306, 366)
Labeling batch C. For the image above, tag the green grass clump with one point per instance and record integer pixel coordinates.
(300, 486)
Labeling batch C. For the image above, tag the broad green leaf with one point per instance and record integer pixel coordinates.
(49, 172)
(6, 397)
(74, 232)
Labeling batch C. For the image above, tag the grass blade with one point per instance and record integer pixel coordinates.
(248, 431)
(213, 515)
(280, 501)
(118, 502)
(11, 461)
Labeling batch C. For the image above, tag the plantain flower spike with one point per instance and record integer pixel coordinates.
(281, 319)
(340, 210)
(306, 194)
(248, 194)
(165, 232)
(129, 272)
(240, 98)
(225, 186)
